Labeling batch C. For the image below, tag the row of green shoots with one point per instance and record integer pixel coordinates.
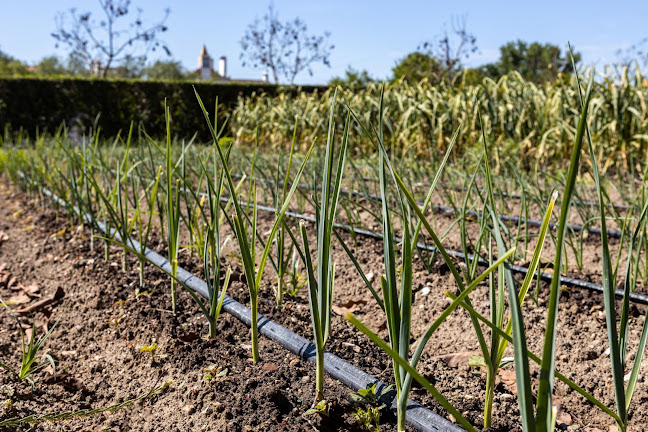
(126, 200)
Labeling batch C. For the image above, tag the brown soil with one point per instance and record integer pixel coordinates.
(110, 368)
(100, 328)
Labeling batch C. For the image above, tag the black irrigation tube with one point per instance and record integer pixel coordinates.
(443, 208)
(418, 416)
(514, 196)
(564, 280)
(519, 197)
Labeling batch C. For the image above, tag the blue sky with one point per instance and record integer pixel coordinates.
(371, 35)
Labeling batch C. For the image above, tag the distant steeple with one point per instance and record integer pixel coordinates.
(205, 63)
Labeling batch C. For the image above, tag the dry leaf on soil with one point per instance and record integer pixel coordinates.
(58, 295)
(455, 359)
(32, 290)
(348, 306)
(18, 299)
(507, 378)
(269, 367)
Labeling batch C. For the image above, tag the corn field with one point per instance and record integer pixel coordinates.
(533, 124)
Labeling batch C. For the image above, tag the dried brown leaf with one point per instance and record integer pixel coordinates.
(58, 295)
(349, 306)
(19, 299)
(455, 359)
(507, 378)
(32, 290)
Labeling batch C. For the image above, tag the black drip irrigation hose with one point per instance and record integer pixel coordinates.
(564, 280)
(517, 196)
(443, 208)
(418, 416)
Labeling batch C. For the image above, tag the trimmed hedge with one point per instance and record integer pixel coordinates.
(34, 104)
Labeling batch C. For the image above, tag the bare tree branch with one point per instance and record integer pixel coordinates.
(451, 47)
(637, 52)
(284, 48)
(102, 44)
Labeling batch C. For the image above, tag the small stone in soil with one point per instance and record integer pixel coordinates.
(189, 409)
(208, 410)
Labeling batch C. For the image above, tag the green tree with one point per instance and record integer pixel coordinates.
(131, 67)
(417, 66)
(536, 62)
(55, 66)
(353, 79)
(76, 65)
(440, 59)
(9, 66)
(164, 70)
(51, 65)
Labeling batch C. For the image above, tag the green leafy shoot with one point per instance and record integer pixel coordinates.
(253, 273)
(32, 360)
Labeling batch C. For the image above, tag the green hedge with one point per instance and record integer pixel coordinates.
(42, 105)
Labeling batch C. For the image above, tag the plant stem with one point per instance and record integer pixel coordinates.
(254, 304)
(488, 397)
(141, 273)
(174, 293)
(212, 329)
(319, 376)
(401, 415)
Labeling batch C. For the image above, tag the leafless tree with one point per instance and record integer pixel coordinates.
(637, 52)
(106, 42)
(284, 48)
(451, 47)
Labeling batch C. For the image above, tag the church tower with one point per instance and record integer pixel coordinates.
(205, 64)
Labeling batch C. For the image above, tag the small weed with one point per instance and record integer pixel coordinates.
(214, 371)
(31, 361)
(368, 418)
(153, 350)
(322, 407)
(369, 405)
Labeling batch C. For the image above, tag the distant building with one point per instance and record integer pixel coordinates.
(95, 68)
(206, 70)
(206, 67)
